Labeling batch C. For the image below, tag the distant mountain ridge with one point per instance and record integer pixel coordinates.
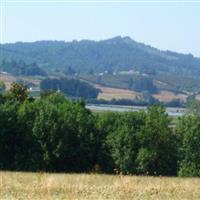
(116, 54)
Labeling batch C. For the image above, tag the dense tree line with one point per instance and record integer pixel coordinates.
(141, 84)
(177, 72)
(70, 87)
(135, 82)
(54, 134)
(18, 68)
(137, 102)
(119, 53)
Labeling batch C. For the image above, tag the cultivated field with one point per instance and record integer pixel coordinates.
(166, 96)
(96, 187)
(109, 93)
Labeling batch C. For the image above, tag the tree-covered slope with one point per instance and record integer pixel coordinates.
(117, 54)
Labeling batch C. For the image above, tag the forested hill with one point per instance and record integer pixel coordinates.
(116, 54)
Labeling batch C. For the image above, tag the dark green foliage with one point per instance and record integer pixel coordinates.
(123, 141)
(136, 82)
(128, 102)
(164, 70)
(107, 124)
(30, 158)
(175, 103)
(158, 151)
(54, 134)
(51, 134)
(189, 151)
(116, 54)
(21, 68)
(142, 84)
(9, 135)
(70, 87)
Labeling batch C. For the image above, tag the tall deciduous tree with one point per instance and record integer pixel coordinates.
(158, 147)
(189, 151)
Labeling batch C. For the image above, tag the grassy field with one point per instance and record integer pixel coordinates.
(107, 93)
(98, 187)
(165, 96)
(110, 93)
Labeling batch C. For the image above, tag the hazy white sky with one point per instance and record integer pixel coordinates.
(173, 26)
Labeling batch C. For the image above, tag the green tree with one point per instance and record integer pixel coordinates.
(189, 151)
(158, 147)
(9, 136)
(65, 132)
(124, 141)
(107, 123)
(30, 152)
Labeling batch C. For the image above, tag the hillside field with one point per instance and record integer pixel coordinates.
(16, 185)
(106, 93)
(109, 93)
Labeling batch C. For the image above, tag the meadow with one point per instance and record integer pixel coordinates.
(109, 93)
(46, 186)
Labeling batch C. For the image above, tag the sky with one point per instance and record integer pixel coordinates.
(167, 26)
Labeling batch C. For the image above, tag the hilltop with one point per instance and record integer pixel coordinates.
(117, 54)
(119, 62)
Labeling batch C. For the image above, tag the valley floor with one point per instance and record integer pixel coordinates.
(96, 187)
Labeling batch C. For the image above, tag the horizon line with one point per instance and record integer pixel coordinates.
(99, 40)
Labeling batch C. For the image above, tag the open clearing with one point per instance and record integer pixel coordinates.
(166, 96)
(109, 93)
(96, 187)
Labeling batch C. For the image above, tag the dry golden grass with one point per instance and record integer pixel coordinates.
(7, 79)
(95, 187)
(166, 96)
(109, 93)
